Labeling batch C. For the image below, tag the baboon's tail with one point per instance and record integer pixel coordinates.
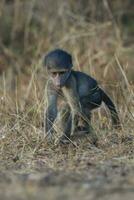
(114, 115)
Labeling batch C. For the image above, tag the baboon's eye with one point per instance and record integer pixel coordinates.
(62, 72)
(54, 73)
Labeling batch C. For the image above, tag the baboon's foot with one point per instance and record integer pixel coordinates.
(82, 129)
(49, 138)
(64, 140)
(92, 135)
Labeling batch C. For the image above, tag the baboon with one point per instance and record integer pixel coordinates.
(79, 92)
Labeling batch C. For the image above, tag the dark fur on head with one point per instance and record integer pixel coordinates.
(58, 59)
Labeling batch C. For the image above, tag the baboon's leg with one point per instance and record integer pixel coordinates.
(88, 129)
(64, 122)
(86, 119)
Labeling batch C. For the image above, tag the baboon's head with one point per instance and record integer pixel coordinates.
(58, 64)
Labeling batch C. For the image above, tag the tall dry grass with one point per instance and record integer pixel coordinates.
(29, 30)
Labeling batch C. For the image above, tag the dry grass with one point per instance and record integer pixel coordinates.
(27, 163)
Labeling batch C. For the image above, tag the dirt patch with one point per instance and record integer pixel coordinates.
(67, 172)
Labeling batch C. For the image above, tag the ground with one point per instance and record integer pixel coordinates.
(100, 39)
(78, 170)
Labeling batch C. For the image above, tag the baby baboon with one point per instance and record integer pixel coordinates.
(79, 92)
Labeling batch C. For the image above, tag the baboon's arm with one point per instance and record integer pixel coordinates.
(51, 111)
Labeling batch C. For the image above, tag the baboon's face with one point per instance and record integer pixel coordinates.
(59, 78)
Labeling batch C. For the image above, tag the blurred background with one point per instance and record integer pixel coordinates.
(98, 34)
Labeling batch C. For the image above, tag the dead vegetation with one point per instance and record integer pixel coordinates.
(29, 167)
